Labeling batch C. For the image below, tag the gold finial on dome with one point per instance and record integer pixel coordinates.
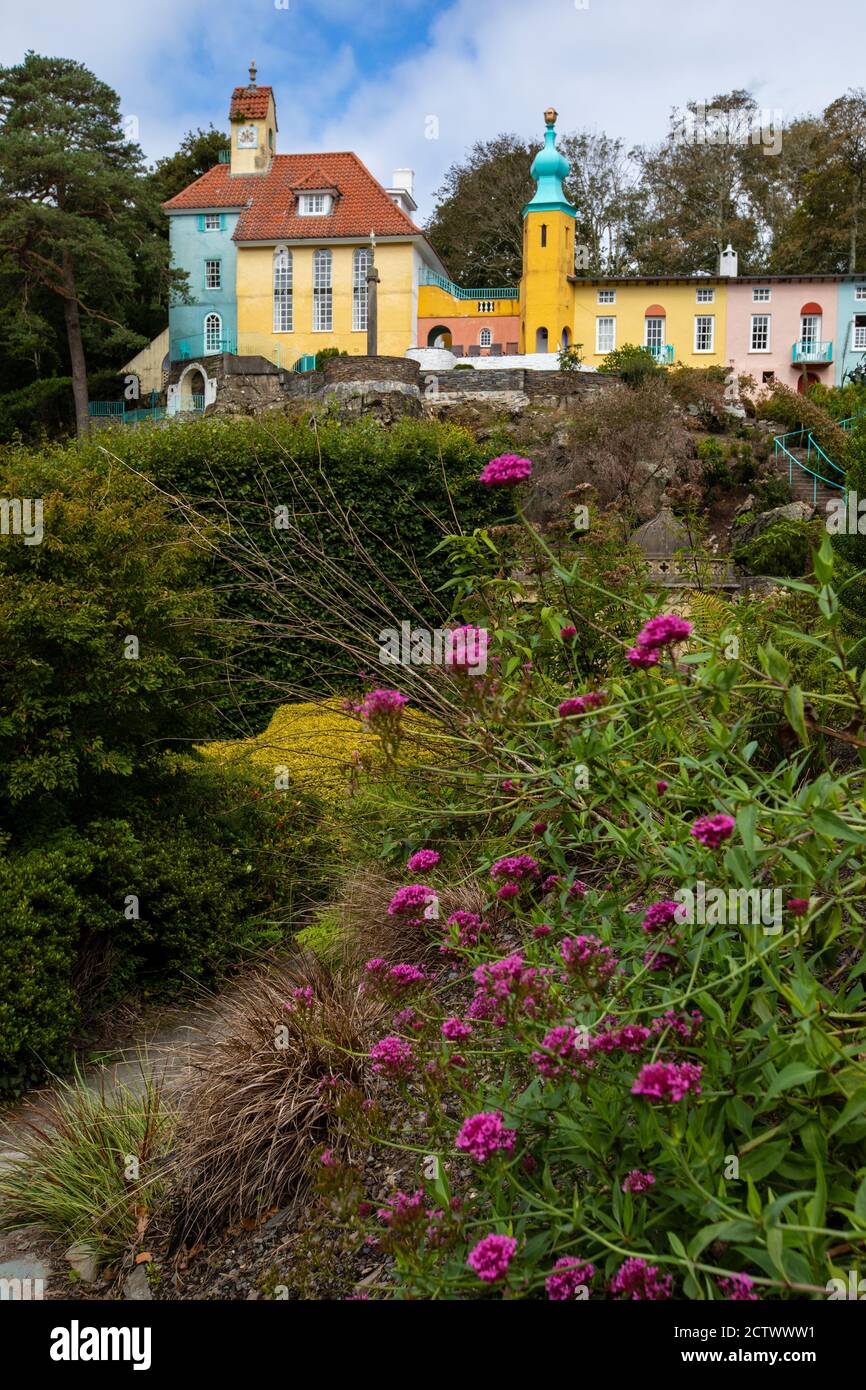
(550, 116)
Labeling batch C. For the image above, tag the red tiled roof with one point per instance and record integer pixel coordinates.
(269, 205)
(249, 103)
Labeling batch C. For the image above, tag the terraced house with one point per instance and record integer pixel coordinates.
(279, 249)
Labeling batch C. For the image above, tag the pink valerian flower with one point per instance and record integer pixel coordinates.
(382, 705)
(569, 1275)
(637, 1182)
(798, 907)
(655, 959)
(490, 1258)
(467, 648)
(405, 1210)
(541, 930)
(566, 633)
(405, 975)
(713, 830)
(469, 927)
(302, 998)
(376, 966)
(579, 704)
(411, 901)
(577, 889)
(641, 658)
(507, 979)
(327, 1159)
(508, 785)
(455, 1030)
(660, 914)
(505, 471)
(738, 1288)
(515, 867)
(483, 1135)
(422, 860)
(408, 1020)
(686, 1026)
(508, 890)
(539, 827)
(566, 1049)
(392, 1056)
(661, 787)
(633, 1037)
(589, 959)
(662, 631)
(637, 1280)
(668, 1082)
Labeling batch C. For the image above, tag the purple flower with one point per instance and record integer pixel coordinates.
(637, 1182)
(738, 1289)
(662, 631)
(569, 1275)
(515, 866)
(712, 830)
(641, 657)
(660, 914)
(382, 705)
(667, 1081)
(505, 471)
(798, 907)
(588, 957)
(467, 647)
(564, 1049)
(411, 899)
(455, 1030)
(566, 633)
(637, 1280)
(469, 927)
(508, 890)
(422, 860)
(483, 1135)
(392, 1056)
(405, 975)
(490, 1258)
(661, 787)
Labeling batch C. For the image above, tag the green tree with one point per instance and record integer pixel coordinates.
(199, 151)
(476, 226)
(78, 220)
(826, 227)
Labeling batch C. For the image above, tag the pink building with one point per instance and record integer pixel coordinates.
(499, 332)
(781, 327)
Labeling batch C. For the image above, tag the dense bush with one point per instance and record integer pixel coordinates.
(632, 363)
(783, 549)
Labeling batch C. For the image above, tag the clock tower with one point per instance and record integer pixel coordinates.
(253, 120)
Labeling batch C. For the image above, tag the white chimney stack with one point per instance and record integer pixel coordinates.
(728, 262)
(402, 190)
(405, 178)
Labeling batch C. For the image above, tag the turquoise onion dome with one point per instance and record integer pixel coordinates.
(549, 168)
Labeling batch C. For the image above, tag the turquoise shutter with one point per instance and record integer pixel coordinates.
(201, 221)
(222, 221)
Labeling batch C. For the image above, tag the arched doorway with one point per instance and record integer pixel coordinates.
(565, 340)
(812, 380)
(439, 337)
(192, 388)
(541, 340)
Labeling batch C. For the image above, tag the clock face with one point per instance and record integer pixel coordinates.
(248, 137)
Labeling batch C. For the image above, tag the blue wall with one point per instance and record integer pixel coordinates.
(190, 248)
(848, 306)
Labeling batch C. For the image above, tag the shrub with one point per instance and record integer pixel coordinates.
(633, 364)
(570, 359)
(91, 1169)
(784, 549)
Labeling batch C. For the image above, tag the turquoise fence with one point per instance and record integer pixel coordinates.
(198, 347)
(429, 277)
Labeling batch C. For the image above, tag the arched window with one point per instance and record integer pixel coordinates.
(323, 295)
(565, 340)
(213, 332)
(486, 337)
(361, 262)
(283, 308)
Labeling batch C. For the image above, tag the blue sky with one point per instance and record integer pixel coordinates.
(414, 82)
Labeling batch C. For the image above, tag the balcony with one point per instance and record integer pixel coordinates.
(812, 351)
(663, 353)
(188, 348)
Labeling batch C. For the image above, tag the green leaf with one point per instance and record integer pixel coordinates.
(794, 1074)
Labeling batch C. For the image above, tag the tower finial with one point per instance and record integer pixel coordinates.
(550, 116)
(253, 71)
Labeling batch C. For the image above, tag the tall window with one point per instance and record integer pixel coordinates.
(212, 275)
(759, 336)
(283, 322)
(605, 334)
(323, 295)
(704, 332)
(810, 329)
(655, 334)
(213, 332)
(486, 337)
(544, 233)
(360, 266)
(858, 332)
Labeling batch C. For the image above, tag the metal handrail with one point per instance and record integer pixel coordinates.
(430, 277)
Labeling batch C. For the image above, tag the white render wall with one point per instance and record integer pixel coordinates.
(441, 360)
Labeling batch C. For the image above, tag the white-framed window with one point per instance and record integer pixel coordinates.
(213, 275)
(607, 296)
(323, 295)
(212, 221)
(705, 296)
(283, 305)
(314, 204)
(485, 338)
(860, 291)
(213, 332)
(705, 332)
(486, 306)
(810, 329)
(760, 294)
(858, 333)
(605, 335)
(759, 333)
(654, 333)
(360, 265)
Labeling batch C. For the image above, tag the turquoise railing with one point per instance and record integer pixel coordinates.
(429, 277)
(106, 407)
(116, 410)
(782, 451)
(662, 354)
(197, 401)
(810, 350)
(197, 347)
(307, 363)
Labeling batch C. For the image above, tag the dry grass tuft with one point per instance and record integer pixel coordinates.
(257, 1111)
(367, 930)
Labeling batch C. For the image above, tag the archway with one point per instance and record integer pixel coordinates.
(565, 340)
(192, 389)
(541, 340)
(439, 337)
(813, 380)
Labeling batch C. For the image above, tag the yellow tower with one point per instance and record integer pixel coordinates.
(546, 286)
(253, 120)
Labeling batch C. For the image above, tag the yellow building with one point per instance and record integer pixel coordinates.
(680, 320)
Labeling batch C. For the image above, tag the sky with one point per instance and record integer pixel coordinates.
(413, 83)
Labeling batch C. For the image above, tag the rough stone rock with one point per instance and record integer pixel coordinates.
(84, 1261)
(136, 1286)
(792, 511)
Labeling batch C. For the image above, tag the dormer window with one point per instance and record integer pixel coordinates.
(315, 204)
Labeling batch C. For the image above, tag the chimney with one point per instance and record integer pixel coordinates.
(402, 190)
(728, 262)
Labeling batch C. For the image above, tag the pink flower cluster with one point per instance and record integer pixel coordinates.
(577, 889)
(579, 704)
(393, 1056)
(490, 1258)
(467, 647)
(588, 958)
(469, 927)
(637, 1182)
(422, 860)
(405, 1210)
(455, 1030)
(382, 705)
(637, 1280)
(686, 1026)
(632, 1037)
(515, 866)
(738, 1289)
(659, 632)
(483, 1135)
(713, 830)
(566, 1050)
(668, 1081)
(411, 901)
(660, 914)
(510, 978)
(568, 1276)
(505, 471)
